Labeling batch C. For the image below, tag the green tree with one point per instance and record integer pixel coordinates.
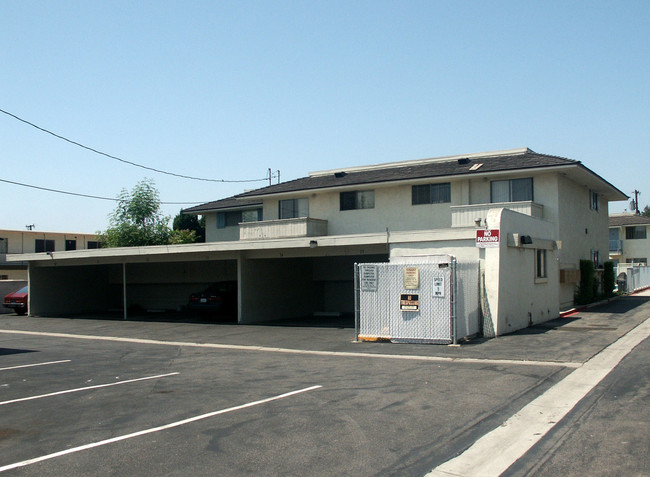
(137, 219)
(190, 223)
(646, 211)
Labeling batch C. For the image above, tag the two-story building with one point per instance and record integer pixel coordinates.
(36, 241)
(629, 240)
(292, 246)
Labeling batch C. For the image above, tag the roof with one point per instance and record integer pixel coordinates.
(435, 168)
(229, 203)
(628, 219)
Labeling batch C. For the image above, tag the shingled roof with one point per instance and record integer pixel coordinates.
(628, 219)
(435, 168)
(423, 169)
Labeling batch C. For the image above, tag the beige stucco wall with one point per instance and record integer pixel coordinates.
(25, 241)
(635, 248)
(515, 298)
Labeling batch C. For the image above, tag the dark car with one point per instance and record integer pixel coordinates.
(218, 299)
(17, 301)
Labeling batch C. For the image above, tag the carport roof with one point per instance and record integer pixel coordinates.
(443, 167)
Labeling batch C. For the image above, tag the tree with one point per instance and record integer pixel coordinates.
(646, 211)
(137, 219)
(189, 223)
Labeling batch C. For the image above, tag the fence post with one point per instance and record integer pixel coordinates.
(454, 291)
(357, 310)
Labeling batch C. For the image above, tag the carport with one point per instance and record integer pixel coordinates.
(277, 279)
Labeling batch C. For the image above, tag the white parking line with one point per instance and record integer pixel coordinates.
(493, 453)
(155, 429)
(349, 354)
(30, 398)
(35, 364)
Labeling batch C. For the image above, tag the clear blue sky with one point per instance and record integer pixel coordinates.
(228, 89)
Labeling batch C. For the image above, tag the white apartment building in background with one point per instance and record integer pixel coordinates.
(629, 238)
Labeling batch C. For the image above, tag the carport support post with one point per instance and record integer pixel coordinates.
(124, 288)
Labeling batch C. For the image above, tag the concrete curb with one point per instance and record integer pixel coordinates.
(578, 309)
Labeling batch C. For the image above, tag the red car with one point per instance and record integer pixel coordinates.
(17, 301)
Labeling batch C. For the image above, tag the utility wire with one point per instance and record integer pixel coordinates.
(124, 160)
(86, 195)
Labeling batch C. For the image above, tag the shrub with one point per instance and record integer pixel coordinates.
(585, 292)
(609, 279)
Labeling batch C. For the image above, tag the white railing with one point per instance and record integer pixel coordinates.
(468, 215)
(284, 228)
(638, 277)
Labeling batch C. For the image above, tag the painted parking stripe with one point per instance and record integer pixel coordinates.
(157, 429)
(446, 359)
(493, 453)
(86, 388)
(35, 364)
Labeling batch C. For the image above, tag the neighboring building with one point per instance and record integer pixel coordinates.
(629, 238)
(292, 246)
(33, 241)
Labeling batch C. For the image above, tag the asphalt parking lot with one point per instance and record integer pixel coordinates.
(105, 397)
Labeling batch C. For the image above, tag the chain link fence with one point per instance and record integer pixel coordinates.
(417, 302)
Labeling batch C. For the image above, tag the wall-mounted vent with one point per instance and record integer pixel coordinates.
(463, 161)
(475, 167)
(338, 175)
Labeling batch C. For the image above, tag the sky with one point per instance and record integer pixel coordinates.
(226, 90)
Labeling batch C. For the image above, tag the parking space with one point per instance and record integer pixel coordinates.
(104, 397)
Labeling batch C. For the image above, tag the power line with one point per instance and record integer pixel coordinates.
(86, 195)
(124, 160)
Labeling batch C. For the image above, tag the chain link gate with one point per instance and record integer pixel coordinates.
(411, 303)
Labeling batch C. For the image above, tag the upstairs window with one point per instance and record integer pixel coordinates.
(233, 218)
(635, 232)
(41, 245)
(513, 190)
(594, 201)
(364, 199)
(293, 208)
(431, 193)
(4, 245)
(94, 244)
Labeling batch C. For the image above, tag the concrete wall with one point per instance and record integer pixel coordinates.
(580, 230)
(515, 298)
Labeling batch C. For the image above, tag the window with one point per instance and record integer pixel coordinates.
(94, 244)
(540, 264)
(513, 190)
(635, 232)
(71, 245)
(643, 261)
(293, 208)
(364, 199)
(594, 202)
(431, 193)
(233, 218)
(41, 245)
(595, 257)
(4, 245)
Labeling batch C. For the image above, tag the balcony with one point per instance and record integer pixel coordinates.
(466, 215)
(615, 247)
(284, 228)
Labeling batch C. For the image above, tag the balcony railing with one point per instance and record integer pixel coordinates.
(468, 215)
(615, 247)
(284, 228)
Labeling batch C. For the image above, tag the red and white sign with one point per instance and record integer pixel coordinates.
(487, 238)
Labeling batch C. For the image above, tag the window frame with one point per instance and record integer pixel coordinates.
(232, 218)
(299, 208)
(44, 245)
(541, 268)
(512, 191)
(438, 193)
(636, 232)
(357, 200)
(594, 200)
